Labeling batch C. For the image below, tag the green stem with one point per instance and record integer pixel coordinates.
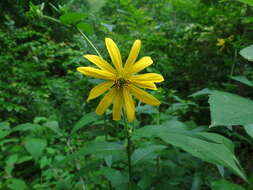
(129, 149)
(88, 40)
(83, 35)
(77, 164)
(233, 66)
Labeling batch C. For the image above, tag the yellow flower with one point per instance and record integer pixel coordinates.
(220, 42)
(121, 82)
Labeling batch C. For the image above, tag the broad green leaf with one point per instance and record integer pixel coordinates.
(205, 91)
(84, 121)
(4, 133)
(54, 126)
(96, 5)
(229, 109)
(223, 184)
(72, 18)
(249, 129)
(100, 147)
(85, 27)
(209, 147)
(247, 52)
(243, 80)
(114, 176)
(146, 153)
(248, 2)
(17, 184)
(27, 127)
(35, 146)
(4, 126)
(10, 162)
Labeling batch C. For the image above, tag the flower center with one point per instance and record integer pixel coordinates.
(120, 82)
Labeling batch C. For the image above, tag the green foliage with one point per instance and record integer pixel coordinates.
(50, 138)
(247, 53)
(226, 109)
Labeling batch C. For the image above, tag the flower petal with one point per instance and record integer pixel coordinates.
(132, 56)
(114, 54)
(100, 62)
(144, 84)
(106, 101)
(96, 73)
(152, 77)
(141, 64)
(129, 104)
(117, 106)
(144, 96)
(99, 89)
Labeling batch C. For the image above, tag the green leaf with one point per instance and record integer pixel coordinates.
(100, 148)
(35, 146)
(10, 162)
(243, 80)
(147, 153)
(54, 126)
(114, 176)
(4, 134)
(209, 147)
(249, 129)
(72, 18)
(247, 52)
(223, 184)
(205, 91)
(248, 2)
(96, 5)
(27, 127)
(229, 109)
(17, 184)
(4, 126)
(85, 120)
(86, 28)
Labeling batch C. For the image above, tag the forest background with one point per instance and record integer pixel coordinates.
(50, 137)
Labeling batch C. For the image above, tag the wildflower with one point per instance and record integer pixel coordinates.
(121, 81)
(220, 42)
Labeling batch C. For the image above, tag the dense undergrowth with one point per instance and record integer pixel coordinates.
(50, 137)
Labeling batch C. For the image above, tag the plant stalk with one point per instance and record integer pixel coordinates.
(129, 150)
(83, 35)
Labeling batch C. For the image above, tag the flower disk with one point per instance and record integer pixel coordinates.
(121, 82)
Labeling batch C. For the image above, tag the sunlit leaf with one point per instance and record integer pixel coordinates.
(72, 18)
(249, 129)
(86, 28)
(247, 52)
(84, 121)
(145, 153)
(114, 176)
(243, 80)
(209, 147)
(17, 184)
(100, 148)
(229, 109)
(248, 2)
(35, 146)
(223, 184)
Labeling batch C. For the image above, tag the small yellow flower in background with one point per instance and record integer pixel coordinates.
(220, 42)
(121, 81)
